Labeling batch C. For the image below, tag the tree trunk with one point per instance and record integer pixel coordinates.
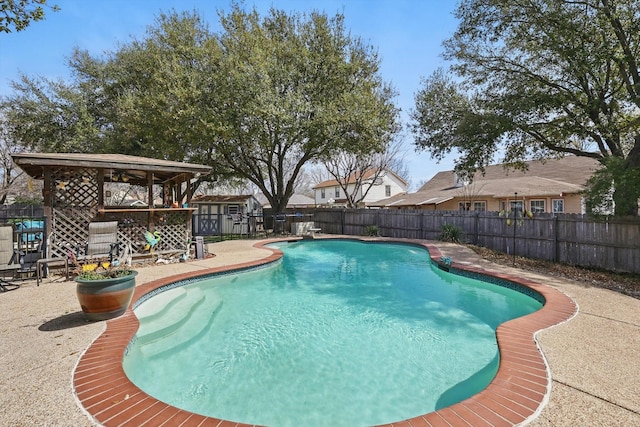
(627, 187)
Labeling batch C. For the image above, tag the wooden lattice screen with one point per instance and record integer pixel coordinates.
(171, 226)
(74, 205)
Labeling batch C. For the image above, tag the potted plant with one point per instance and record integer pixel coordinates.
(104, 288)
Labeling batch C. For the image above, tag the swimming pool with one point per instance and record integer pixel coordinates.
(375, 321)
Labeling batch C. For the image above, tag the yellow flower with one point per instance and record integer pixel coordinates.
(89, 267)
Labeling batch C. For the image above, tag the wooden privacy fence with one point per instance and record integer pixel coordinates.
(573, 239)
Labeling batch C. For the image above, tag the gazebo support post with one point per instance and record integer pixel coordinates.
(48, 203)
(100, 178)
(150, 196)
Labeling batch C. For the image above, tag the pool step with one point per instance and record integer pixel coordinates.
(179, 324)
(169, 314)
(152, 309)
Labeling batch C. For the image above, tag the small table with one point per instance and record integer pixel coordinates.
(313, 231)
(44, 262)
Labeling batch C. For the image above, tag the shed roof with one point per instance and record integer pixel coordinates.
(221, 198)
(135, 167)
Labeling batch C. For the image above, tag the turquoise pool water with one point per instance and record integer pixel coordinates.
(339, 333)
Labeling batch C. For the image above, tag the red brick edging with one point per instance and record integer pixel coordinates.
(516, 393)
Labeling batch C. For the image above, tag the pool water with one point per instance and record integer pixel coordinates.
(339, 333)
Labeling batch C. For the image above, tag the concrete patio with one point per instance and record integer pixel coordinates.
(592, 358)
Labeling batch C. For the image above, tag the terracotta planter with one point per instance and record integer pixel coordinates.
(105, 298)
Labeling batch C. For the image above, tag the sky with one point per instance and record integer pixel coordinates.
(408, 35)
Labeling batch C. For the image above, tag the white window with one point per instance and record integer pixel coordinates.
(387, 190)
(480, 206)
(516, 205)
(537, 206)
(322, 195)
(233, 209)
(558, 205)
(464, 206)
(337, 192)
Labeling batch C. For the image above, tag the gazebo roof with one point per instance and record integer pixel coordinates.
(134, 167)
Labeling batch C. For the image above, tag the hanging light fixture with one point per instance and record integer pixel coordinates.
(119, 176)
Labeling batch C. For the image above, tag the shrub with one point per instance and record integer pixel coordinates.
(450, 233)
(372, 230)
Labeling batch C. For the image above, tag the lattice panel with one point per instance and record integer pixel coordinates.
(134, 236)
(172, 237)
(132, 226)
(74, 188)
(70, 228)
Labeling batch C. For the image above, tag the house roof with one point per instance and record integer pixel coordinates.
(352, 179)
(221, 199)
(297, 200)
(552, 178)
(571, 169)
(135, 167)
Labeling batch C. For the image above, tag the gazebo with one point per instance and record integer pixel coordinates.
(74, 196)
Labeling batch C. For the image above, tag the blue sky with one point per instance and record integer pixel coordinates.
(407, 33)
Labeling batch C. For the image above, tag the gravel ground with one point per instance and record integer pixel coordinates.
(626, 284)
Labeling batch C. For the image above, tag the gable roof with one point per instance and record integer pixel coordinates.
(297, 200)
(550, 178)
(571, 169)
(353, 177)
(234, 198)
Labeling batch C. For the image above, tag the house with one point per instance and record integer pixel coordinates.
(553, 185)
(297, 201)
(388, 184)
(225, 214)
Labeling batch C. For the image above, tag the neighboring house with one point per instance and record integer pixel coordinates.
(225, 214)
(330, 193)
(297, 201)
(551, 186)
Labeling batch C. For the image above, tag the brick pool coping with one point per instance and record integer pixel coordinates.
(516, 394)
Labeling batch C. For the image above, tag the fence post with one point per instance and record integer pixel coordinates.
(476, 227)
(342, 219)
(555, 238)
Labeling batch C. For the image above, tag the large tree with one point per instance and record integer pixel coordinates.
(256, 101)
(293, 89)
(540, 78)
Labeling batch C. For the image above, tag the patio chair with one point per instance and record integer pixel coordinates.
(102, 241)
(239, 223)
(8, 257)
(279, 220)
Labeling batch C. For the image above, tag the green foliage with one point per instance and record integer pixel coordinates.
(450, 233)
(104, 274)
(28, 200)
(372, 230)
(573, 76)
(99, 270)
(18, 14)
(297, 88)
(608, 187)
(258, 100)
